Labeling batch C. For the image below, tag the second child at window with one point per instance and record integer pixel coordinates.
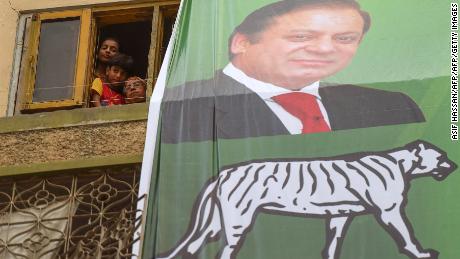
(110, 91)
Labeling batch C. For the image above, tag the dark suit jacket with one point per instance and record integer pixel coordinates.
(223, 108)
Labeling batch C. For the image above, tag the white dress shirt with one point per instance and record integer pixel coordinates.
(266, 91)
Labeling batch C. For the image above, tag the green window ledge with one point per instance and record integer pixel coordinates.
(81, 164)
(76, 117)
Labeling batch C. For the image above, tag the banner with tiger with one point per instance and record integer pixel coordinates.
(304, 129)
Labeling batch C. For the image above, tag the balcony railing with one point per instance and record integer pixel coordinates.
(87, 214)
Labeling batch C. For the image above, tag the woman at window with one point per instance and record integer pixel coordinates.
(108, 49)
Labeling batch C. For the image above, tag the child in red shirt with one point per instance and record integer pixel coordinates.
(109, 91)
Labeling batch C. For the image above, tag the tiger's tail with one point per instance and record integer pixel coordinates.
(204, 224)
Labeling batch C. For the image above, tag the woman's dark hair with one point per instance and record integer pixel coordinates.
(113, 39)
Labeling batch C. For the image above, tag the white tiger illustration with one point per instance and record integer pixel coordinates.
(336, 189)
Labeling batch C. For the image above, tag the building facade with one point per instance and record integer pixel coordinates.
(70, 173)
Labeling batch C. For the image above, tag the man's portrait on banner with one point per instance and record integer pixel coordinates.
(279, 56)
(304, 128)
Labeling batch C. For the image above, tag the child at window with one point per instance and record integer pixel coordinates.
(109, 91)
(134, 90)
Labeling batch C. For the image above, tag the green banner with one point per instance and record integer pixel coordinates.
(308, 129)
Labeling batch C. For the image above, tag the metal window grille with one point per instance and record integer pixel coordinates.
(88, 214)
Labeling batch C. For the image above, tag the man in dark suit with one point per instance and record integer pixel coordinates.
(278, 55)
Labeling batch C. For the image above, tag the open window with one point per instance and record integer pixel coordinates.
(59, 54)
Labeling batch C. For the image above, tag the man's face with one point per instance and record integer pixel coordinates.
(301, 47)
(134, 91)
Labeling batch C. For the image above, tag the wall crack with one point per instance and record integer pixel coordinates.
(12, 8)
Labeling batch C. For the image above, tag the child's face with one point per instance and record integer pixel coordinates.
(108, 49)
(115, 74)
(134, 91)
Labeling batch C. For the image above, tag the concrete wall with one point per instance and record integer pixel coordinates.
(8, 23)
(80, 138)
(78, 143)
(9, 14)
(29, 5)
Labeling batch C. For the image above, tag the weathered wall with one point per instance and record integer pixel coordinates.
(8, 23)
(72, 143)
(27, 5)
(80, 138)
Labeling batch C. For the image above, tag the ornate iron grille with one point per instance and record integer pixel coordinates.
(70, 215)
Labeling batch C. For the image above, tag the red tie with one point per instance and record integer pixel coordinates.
(305, 108)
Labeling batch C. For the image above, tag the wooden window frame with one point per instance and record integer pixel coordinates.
(80, 65)
(86, 49)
